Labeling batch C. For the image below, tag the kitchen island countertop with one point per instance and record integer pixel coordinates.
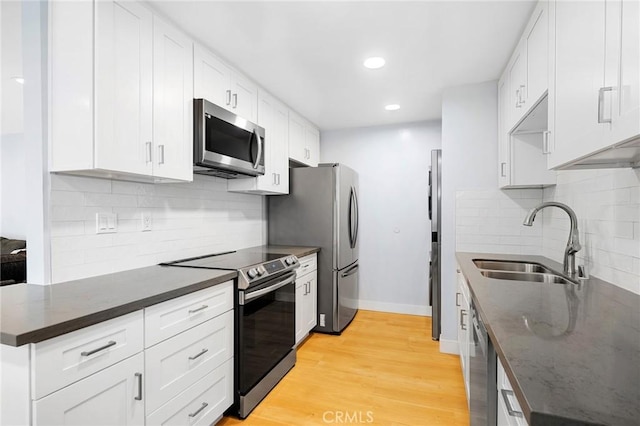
(571, 352)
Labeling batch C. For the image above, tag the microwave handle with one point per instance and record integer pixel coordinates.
(255, 166)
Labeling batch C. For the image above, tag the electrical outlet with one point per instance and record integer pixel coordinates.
(147, 221)
(106, 223)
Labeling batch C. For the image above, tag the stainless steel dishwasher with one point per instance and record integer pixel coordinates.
(482, 375)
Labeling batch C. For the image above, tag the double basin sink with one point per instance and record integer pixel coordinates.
(520, 271)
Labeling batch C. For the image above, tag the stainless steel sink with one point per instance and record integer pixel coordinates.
(549, 278)
(512, 266)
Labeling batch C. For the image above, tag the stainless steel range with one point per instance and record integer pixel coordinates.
(264, 319)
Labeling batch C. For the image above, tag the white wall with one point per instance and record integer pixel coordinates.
(189, 219)
(607, 204)
(392, 164)
(469, 162)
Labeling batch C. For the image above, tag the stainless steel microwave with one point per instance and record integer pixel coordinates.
(225, 144)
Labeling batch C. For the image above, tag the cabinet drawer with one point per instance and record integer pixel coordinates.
(63, 360)
(177, 363)
(110, 397)
(307, 264)
(201, 404)
(174, 316)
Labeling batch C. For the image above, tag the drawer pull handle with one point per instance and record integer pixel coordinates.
(193, 311)
(507, 402)
(195, 413)
(139, 377)
(204, 351)
(457, 301)
(101, 348)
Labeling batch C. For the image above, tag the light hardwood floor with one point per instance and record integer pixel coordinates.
(384, 369)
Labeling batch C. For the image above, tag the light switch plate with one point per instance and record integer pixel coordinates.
(106, 223)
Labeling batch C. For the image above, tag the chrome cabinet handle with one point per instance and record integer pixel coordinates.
(274, 179)
(505, 395)
(101, 348)
(139, 396)
(521, 95)
(149, 151)
(161, 154)
(202, 352)
(457, 301)
(193, 311)
(518, 98)
(235, 100)
(463, 312)
(545, 142)
(601, 118)
(503, 169)
(278, 178)
(202, 407)
(228, 92)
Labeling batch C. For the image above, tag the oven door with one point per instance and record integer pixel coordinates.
(266, 328)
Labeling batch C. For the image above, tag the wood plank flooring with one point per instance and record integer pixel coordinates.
(384, 369)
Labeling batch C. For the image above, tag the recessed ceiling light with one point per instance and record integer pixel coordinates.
(392, 107)
(374, 63)
(18, 79)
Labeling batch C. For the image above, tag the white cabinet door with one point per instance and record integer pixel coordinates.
(280, 156)
(113, 396)
(123, 87)
(311, 302)
(462, 304)
(312, 144)
(579, 75)
(297, 150)
(537, 42)
(244, 99)
(212, 78)
(503, 131)
(517, 72)
(172, 103)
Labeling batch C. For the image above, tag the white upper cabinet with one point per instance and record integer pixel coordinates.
(304, 141)
(137, 126)
(594, 101)
(528, 68)
(503, 131)
(273, 116)
(220, 84)
(172, 102)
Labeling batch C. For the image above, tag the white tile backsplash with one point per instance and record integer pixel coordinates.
(490, 221)
(607, 205)
(189, 219)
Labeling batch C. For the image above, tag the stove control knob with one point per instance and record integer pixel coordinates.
(290, 260)
(261, 270)
(253, 272)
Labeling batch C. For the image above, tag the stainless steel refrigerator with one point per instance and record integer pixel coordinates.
(322, 210)
(435, 265)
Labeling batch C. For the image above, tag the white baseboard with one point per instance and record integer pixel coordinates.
(396, 308)
(449, 347)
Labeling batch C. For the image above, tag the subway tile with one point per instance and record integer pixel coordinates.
(110, 200)
(67, 198)
(79, 184)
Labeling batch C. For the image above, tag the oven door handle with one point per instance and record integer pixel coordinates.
(245, 297)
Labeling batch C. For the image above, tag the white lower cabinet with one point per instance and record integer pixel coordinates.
(509, 411)
(113, 396)
(306, 297)
(465, 337)
(202, 403)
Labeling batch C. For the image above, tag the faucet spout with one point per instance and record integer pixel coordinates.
(573, 244)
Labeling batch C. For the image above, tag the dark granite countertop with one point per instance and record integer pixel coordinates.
(572, 353)
(32, 313)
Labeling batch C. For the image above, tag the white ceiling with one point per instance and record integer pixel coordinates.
(310, 54)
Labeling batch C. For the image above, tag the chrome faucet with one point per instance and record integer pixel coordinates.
(573, 245)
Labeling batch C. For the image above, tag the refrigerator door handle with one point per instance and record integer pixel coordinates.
(351, 213)
(430, 195)
(350, 271)
(430, 284)
(357, 216)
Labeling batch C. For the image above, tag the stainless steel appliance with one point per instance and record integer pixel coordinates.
(265, 317)
(225, 144)
(435, 265)
(322, 210)
(482, 375)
